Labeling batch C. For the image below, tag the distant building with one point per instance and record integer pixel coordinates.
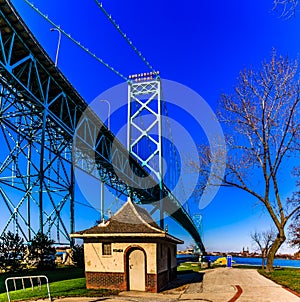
(129, 252)
(245, 252)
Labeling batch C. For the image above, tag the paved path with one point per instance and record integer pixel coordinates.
(218, 285)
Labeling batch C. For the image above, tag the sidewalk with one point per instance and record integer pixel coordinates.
(218, 285)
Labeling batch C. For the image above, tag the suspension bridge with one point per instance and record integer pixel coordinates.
(40, 115)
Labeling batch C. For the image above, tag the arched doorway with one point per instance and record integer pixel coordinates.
(136, 270)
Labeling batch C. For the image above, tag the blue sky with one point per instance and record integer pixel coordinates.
(201, 44)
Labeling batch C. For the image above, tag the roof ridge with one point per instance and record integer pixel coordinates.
(142, 219)
(123, 206)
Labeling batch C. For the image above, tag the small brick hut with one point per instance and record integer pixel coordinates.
(129, 252)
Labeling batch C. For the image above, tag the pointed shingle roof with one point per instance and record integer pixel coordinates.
(130, 220)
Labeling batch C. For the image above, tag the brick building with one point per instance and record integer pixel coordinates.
(129, 252)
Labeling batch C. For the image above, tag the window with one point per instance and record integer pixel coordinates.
(106, 249)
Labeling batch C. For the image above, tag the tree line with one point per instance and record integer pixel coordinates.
(15, 255)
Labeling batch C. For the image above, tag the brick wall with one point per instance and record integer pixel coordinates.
(96, 280)
(162, 280)
(151, 283)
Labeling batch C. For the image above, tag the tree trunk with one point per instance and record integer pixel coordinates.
(274, 248)
(263, 257)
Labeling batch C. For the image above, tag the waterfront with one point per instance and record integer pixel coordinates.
(243, 260)
(257, 261)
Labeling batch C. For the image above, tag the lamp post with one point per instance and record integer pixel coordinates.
(58, 44)
(102, 182)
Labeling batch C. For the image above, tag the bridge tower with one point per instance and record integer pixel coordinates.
(144, 127)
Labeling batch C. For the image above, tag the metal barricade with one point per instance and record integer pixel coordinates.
(31, 278)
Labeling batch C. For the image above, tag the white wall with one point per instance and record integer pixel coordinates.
(96, 262)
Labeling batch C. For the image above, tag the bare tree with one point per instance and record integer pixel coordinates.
(294, 228)
(287, 8)
(295, 234)
(264, 241)
(261, 122)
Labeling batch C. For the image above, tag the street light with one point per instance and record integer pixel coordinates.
(58, 44)
(102, 182)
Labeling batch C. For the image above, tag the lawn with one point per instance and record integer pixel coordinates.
(64, 282)
(288, 277)
(188, 267)
(66, 288)
(58, 274)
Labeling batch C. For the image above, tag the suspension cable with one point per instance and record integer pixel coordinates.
(76, 42)
(117, 26)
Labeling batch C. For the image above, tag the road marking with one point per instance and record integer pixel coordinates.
(238, 293)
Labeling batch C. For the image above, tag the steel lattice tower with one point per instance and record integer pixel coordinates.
(144, 129)
(36, 175)
(36, 178)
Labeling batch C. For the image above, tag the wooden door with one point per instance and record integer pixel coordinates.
(136, 265)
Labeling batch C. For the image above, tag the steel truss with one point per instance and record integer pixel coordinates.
(144, 130)
(144, 124)
(45, 128)
(35, 163)
(36, 178)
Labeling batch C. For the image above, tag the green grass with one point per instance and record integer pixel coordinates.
(58, 274)
(64, 282)
(188, 267)
(66, 288)
(195, 267)
(288, 277)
